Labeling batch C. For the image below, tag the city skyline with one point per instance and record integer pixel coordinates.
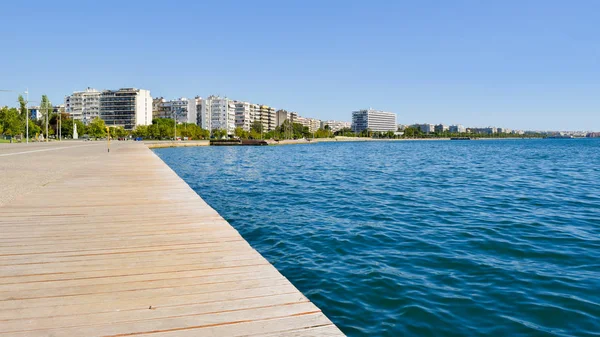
(523, 66)
(183, 118)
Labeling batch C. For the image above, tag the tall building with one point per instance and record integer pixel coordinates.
(282, 116)
(441, 128)
(217, 113)
(127, 107)
(427, 128)
(179, 107)
(312, 124)
(160, 108)
(83, 105)
(245, 114)
(267, 117)
(194, 106)
(457, 129)
(374, 120)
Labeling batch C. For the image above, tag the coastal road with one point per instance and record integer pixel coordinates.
(116, 244)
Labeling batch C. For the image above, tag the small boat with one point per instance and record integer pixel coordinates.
(460, 138)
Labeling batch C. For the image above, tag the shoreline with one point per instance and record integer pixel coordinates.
(158, 144)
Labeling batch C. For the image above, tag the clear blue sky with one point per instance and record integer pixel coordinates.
(518, 64)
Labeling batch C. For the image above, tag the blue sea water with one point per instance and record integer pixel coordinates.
(421, 238)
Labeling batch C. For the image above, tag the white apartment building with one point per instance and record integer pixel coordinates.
(127, 107)
(335, 126)
(83, 105)
(457, 128)
(440, 128)
(194, 106)
(245, 114)
(427, 128)
(179, 107)
(217, 113)
(313, 124)
(374, 120)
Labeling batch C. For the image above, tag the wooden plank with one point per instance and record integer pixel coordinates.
(119, 245)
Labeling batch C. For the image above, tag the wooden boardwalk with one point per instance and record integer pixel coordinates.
(118, 245)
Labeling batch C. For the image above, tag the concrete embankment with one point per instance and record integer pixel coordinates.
(116, 244)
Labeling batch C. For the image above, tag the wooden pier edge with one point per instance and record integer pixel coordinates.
(118, 244)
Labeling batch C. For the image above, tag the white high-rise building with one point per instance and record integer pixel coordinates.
(83, 105)
(245, 114)
(374, 120)
(179, 107)
(127, 107)
(194, 106)
(457, 128)
(427, 128)
(217, 113)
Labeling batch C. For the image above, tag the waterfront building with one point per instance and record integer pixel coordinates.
(282, 116)
(268, 117)
(193, 108)
(217, 113)
(158, 106)
(245, 114)
(486, 131)
(335, 126)
(440, 128)
(83, 105)
(314, 124)
(457, 129)
(126, 107)
(179, 109)
(374, 120)
(427, 128)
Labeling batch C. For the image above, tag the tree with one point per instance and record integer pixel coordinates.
(257, 126)
(12, 124)
(46, 109)
(412, 132)
(97, 128)
(219, 133)
(22, 108)
(347, 132)
(34, 129)
(117, 132)
(241, 133)
(66, 125)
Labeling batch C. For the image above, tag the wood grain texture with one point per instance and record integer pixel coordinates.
(119, 245)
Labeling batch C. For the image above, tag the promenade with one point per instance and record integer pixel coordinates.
(116, 244)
